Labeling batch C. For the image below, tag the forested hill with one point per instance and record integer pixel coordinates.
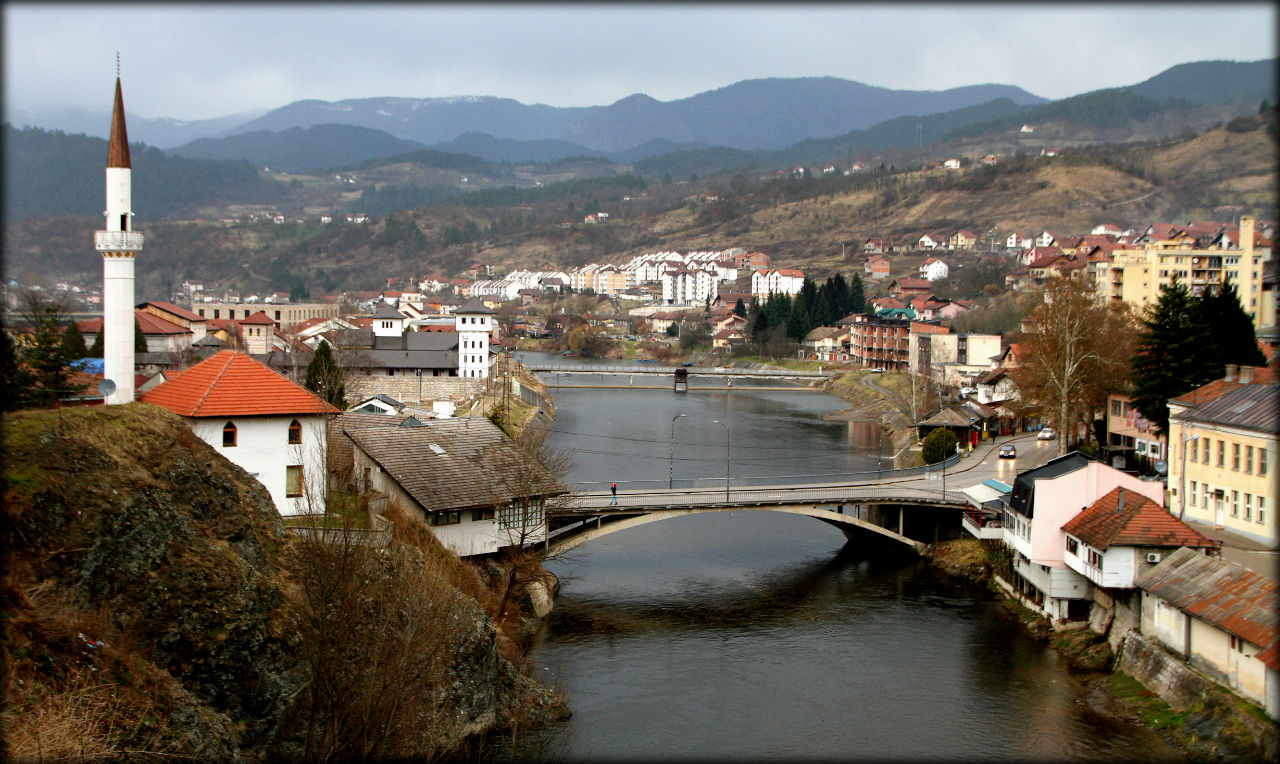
(52, 173)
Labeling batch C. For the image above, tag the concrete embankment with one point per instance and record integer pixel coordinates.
(870, 402)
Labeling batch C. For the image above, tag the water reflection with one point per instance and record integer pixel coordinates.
(755, 635)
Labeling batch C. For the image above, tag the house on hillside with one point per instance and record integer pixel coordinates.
(258, 419)
(934, 269)
(876, 267)
(477, 491)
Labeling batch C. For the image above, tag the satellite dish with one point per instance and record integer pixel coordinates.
(106, 387)
(1161, 467)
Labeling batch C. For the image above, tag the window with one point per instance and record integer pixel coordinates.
(1237, 644)
(481, 514)
(444, 518)
(1205, 453)
(293, 481)
(1155, 450)
(1235, 503)
(1095, 559)
(1262, 509)
(1193, 493)
(1248, 460)
(1235, 457)
(1262, 461)
(1073, 546)
(1248, 506)
(295, 432)
(228, 435)
(1222, 453)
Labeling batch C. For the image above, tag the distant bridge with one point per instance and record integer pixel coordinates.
(876, 507)
(681, 376)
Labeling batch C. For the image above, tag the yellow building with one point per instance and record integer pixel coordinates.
(1223, 441)
(1136, 275)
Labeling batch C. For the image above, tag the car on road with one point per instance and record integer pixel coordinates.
(877, 370)
(1007, 451)
(1047, 434)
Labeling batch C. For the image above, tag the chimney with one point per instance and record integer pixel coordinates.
(1120, 501)
(1231, 373)
(1246, 375)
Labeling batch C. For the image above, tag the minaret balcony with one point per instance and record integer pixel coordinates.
(117, 241)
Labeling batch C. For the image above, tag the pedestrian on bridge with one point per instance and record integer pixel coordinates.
(613, 488)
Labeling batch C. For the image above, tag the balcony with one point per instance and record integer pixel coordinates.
(117, 241)
(982, 524)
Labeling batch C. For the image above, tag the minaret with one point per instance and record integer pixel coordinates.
(119, 246)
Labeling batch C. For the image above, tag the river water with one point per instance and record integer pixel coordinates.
(763, 636)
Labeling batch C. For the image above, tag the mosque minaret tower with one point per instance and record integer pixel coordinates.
(119, 245)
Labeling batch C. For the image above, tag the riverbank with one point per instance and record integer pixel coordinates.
(1207, 723)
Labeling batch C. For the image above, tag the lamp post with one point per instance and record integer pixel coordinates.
(671, 454)
(1182, 491)
(726, 458)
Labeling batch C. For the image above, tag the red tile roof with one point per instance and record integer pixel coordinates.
(1140, 522)
(257, 318)
(176, 310)
(1222, 593)
(153, 324)
(1262, 375)
(231, 383)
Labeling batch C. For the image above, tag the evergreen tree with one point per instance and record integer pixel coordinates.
(45, 359)
(798, 322)
(857, 297)
(821, 314)
(838, 296)
(14, 379)
(1175, 353)
(95, 350)
(73, 342)
(324, 377)
(139, 339)
(1228, 323)
(739, 309)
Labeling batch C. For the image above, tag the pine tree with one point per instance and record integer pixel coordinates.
(95, 350)
(739, 309)
(798, 321)
(324, 377)
(857, 297)
(1175, 353)
(139, 339)
(73, 342)
(1228, 323)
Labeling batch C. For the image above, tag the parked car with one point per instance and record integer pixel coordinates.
(1047, 434)
(1007, 451)
(877, 370)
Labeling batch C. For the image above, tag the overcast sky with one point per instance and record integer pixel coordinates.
(194, 61)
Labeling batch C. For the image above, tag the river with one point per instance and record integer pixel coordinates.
(762, 636)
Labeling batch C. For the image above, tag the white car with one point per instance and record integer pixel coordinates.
(1047, 434)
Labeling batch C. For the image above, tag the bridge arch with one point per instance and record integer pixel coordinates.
(604, 524)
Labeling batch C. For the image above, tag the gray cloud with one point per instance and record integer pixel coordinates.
(198, 61)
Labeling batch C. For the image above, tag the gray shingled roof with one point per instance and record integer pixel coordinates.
(1253, 407)
(474, 463)
(1222, 593)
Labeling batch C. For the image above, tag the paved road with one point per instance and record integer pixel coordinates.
(983, 464)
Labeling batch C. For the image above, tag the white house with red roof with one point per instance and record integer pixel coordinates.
(1122, 534)
(260, 420)
(934, 269)
(776, 281)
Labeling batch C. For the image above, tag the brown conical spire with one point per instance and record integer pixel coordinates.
(118, 143)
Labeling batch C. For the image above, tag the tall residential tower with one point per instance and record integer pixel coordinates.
(119, 245)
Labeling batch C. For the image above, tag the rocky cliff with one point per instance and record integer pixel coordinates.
(154, 603)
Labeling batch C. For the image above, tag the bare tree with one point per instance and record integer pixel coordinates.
(1072, 354)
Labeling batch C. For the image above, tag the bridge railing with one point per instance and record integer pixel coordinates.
(826, 478)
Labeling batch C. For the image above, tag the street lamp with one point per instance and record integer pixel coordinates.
(1182, 491)
(671, 454)
(726, 458)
